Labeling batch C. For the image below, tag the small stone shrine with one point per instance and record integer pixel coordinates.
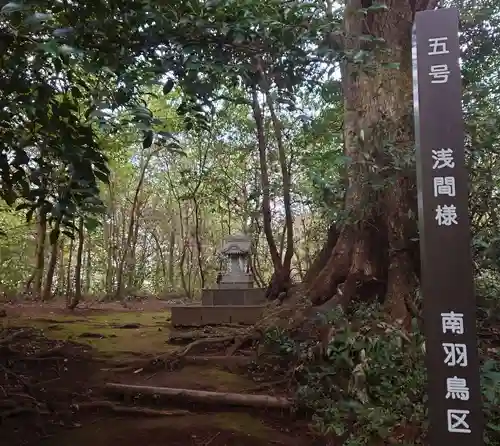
(234, 300)
(237, 249)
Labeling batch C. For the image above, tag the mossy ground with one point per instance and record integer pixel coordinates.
(103, 332)
(196, 429)
(218, 427)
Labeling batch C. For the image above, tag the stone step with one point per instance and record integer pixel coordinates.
(198, 315)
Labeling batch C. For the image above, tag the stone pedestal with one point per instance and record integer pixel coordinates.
(232, 296)
(235, 300)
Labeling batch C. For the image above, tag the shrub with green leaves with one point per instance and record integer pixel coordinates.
(370, 384)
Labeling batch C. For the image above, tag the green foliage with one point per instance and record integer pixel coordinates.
(14, 264)
(490, 385)
(370, 384)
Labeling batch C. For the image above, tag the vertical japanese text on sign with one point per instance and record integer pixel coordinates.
(447, 285)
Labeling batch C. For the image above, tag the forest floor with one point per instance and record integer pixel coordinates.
(55, 365)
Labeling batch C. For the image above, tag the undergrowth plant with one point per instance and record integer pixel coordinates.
(370, 383)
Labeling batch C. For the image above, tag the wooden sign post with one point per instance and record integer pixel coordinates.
(454, 399)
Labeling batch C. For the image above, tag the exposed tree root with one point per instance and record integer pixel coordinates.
(22, 411)
(336, 269)
(201, 396)
(226, 361)
(206, 341)
(267, 385)
(180, 337)
(172, 359)
(239, 342)
(128, 410)
(48, 353)
(280, 285)
(323, 256)
(12, 337)
(179, 361)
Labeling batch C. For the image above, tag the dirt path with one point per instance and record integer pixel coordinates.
(76, 376)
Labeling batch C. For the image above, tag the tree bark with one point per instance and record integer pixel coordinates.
(375, 249)
(171, 260)
(159, 250)
(265, 183)
(88, 270)
(61, 283)
(203, 396)
(40, 253)
(322, 257)
(69, 286)
(78, 267)
(286, 184)
(124, 260)
(51, 267)
(199, 247)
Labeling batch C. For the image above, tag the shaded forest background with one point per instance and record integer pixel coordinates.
(135, 135)
(128, 156)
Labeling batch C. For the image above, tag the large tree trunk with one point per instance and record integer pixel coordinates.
(374, 251)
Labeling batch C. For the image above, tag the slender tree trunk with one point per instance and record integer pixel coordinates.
(286, 185)
(131, 262)
(51, 267)
(182, 260)
(40, 254)
(282, 241)
(131, 226)
(199, 247)
(77, 297)
(159, 250)
(109, 243)
(88, 270)
(300, 268)
(69, 286)
(374, 248)
(191, 277)
(171, 260)
(140, 269)
(264, 177)
(61, 283)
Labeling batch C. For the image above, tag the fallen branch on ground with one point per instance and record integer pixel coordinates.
(202, 396)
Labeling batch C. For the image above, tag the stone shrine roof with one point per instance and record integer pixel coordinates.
(236, 244)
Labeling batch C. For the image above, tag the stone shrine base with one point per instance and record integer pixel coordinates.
(221, 306)
(199, 315)
(221, 296)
